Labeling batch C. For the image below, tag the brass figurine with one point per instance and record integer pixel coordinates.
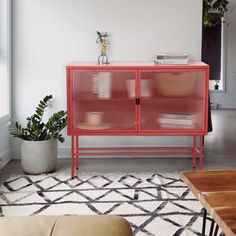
(102, 41)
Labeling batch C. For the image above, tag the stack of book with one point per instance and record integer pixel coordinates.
(177, 120)
(173, 58)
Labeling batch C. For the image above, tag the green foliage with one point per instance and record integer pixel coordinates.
(36, 129)
(213, 6)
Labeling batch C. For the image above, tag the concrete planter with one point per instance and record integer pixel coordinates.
(39, 157)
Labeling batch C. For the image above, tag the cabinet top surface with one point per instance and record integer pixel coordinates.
(135, 65)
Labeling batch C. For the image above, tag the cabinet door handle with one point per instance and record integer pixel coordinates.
(138, 101)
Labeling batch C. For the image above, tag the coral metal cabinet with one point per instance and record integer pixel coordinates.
(137, 99)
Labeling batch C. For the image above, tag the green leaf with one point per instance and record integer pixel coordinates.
(47, 98)
(42, 103)
(41, 106)
(36, 130)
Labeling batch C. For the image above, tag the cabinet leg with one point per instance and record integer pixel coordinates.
(200, 156)
(194, 151)
(72, 156)
(77, 152)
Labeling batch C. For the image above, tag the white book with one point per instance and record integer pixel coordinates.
(176, 121)
(173, 58)
(178, 115)
(176, 126)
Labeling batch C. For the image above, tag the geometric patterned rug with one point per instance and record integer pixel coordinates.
(154, 204)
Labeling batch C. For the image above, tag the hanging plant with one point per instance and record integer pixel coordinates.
(213, 6)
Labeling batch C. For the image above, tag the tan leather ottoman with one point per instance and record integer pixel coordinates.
(64, 226)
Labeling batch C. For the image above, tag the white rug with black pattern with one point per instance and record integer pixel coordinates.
(154, 204)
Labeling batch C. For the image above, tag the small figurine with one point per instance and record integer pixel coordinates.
(216, 85)
(102, 41)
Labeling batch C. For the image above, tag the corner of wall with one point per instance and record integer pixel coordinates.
(5, 157)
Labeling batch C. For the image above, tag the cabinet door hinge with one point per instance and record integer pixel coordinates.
(138, 101)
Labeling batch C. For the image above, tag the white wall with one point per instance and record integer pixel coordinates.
(5, 41)
(48, 34)
(227, 99)
(4, 144)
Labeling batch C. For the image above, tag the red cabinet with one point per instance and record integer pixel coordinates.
(137, 99)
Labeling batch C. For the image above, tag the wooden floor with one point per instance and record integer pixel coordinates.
(219, 152)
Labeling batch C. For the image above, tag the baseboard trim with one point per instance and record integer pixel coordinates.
(65, 153)
(227, 106)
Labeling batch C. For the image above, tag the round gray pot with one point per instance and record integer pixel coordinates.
(39, 157)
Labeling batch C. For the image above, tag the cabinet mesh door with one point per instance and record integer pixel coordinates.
(172, 100)
(103, 100)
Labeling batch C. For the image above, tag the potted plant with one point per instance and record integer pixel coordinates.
(39, 139)
(213, 11)
(212, 21)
